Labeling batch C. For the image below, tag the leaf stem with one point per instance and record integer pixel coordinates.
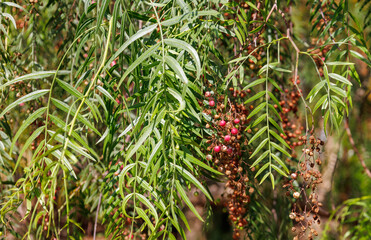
(267, 110)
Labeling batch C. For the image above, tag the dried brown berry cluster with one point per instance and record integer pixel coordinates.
(306, 207)
(225, 149)
(319, 54)
(290, 120)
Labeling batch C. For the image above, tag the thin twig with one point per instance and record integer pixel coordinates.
(355, 149)
(96, 216)
(271, 11)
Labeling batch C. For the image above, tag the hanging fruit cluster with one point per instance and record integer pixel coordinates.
(319, 54)
(291, 123)
(226, 147)
(305, 207)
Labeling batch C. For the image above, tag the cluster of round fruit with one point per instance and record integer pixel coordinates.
(322, 23)
(226, 147)
(45, 219)
(319, 56)
(311, 177)
(290, 121)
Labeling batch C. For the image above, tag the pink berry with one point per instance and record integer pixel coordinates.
(211, 103)
(113, 63)
(234, 131)
(21, 104)
(236, 121)
(207, 94)
(227, 138)
(222, 123)
(217, 149)
(209, 157)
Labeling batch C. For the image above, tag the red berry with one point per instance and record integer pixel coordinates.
(211, 103)
(229, 151)
(217, 149)
(222, 123)
(237, 121)
(234, 131)
(227, 138)
(207, 94)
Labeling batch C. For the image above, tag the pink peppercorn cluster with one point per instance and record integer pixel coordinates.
(227, 122)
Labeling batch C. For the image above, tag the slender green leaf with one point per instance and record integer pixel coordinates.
(316, 90)
(265, 166)
(257, 134)
(256, 96)
(29, 97)
(340, 78)
(25, 124)
(279, 170)
(185, 46)
(259, 119)
(254, 83)
(262, 156)
(30, 139)
(186, 200)
(278, 137)
(178, 97)
(257, 109)
(138, 61)
(260, 146)
(136, 36)
(34, 75)
(173, 64)
(194, 160)
(144, 216)
(183, 172)
(281, 149)
(280, 162)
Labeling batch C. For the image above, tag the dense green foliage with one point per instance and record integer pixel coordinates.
(111, 115)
